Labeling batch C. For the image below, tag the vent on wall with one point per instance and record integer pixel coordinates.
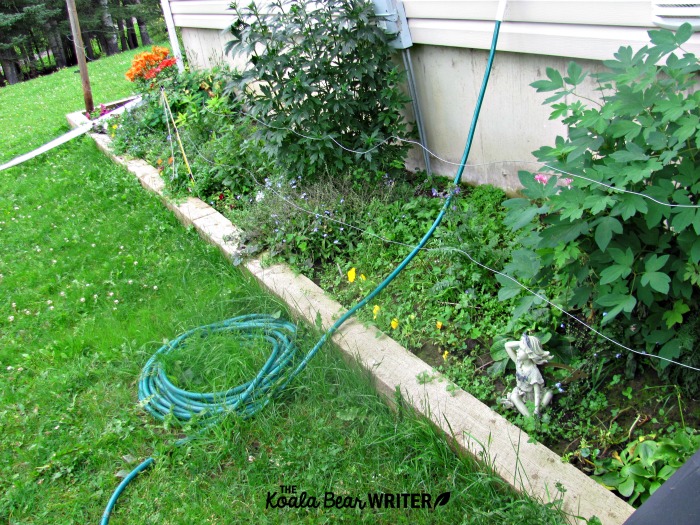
(672, 16)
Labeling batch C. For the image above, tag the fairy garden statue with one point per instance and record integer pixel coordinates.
(527, 354)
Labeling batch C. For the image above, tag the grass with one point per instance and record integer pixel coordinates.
(94, 276)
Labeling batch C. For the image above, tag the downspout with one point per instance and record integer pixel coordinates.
(172, 34)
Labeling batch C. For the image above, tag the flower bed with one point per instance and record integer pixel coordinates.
(347, 235)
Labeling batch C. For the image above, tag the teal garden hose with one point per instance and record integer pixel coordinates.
(161, 398)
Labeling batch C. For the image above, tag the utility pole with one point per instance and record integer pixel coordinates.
(80, 53)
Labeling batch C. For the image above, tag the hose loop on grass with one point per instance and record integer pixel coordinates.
(160, 397)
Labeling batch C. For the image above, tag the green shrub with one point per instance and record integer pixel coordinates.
(319, 74)
(609, 254)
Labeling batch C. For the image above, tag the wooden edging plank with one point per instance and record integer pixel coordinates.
(470, 424)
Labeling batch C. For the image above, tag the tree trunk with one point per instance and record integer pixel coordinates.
(71, 59)
(122, 38)
(108, 24)
(29, 60)
(131, 34)
(56, 45)
(10, 67)
(89, 51)
(145, 38)
(101, 43)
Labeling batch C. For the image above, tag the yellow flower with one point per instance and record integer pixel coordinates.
(444, 355)
(112, 135)
(439, 325)
(114, 126)
(394, 323)
(351, 275)
(375, 310)
(362, 276)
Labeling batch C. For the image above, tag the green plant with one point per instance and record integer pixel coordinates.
(319, 74)
(73, 224)
(609, 251)
(644, 464)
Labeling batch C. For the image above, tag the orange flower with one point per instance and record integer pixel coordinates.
(170, 160)
(146, 65)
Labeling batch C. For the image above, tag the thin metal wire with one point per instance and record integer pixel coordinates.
(458, 164)
(452, 249)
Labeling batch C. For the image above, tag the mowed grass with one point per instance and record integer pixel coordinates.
(94, 275)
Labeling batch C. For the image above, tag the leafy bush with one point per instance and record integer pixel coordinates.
(643, 465)
(601, 249)
(321, 72)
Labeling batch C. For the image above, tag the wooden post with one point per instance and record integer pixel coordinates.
(80, 54)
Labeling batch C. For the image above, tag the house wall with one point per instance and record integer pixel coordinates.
(451, 39)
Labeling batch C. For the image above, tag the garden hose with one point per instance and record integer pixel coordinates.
(161, 398)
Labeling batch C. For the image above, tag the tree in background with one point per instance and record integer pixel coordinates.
(35, 36)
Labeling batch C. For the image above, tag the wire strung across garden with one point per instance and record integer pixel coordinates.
(458, 164)
(539, 296)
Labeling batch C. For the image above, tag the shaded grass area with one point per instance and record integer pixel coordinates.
(94, 276)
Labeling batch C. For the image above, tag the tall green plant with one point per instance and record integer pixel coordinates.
(320, 74)
(600, 248)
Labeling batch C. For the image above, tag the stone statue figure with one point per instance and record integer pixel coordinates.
(527, 354)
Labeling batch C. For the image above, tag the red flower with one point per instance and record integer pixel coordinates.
(221, 196)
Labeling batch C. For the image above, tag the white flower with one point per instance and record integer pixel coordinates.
(130, 281)
(259, 196)
(82, 299)
(11, 318)
(49, 301)
(155, 287)
(135, 263)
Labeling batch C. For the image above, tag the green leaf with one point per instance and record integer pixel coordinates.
(683, 218)
(604, 231)
(575, 74)
(613, 273)
(657, 281)
(645, 450)
(625, 258)
(684, 33)
(654, 263)
(555, 81)
(695, 251)
(516, 221)
(631, 154)
(563, 233)
(626, 487)
(625, 128)
(670, 350)
(675, 315)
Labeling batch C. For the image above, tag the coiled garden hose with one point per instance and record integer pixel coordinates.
(160, 397)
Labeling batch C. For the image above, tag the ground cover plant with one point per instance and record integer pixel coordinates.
(457, 314)
(94, 275)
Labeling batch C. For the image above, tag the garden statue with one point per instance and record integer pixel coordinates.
(527, 354)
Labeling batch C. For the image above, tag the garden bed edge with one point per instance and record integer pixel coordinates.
(467, 422)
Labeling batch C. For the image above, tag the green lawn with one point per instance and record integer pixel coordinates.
(94, 275)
